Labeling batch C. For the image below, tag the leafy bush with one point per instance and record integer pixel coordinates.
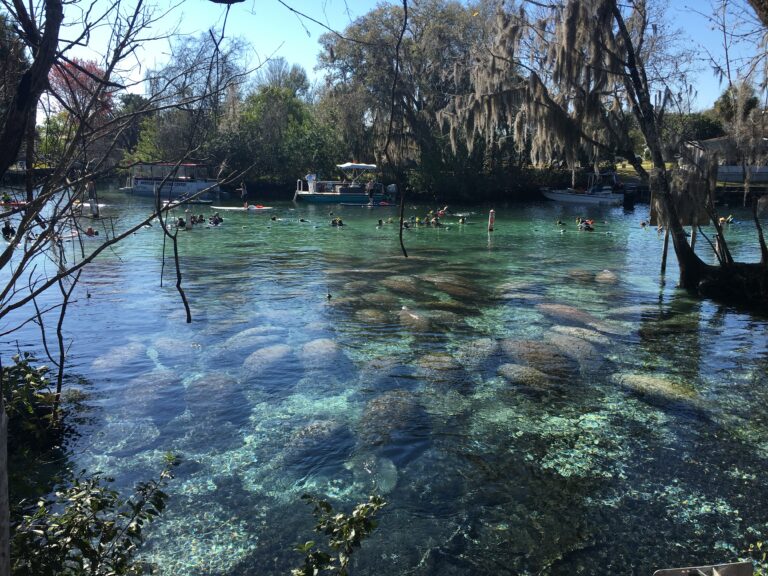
(345, 534)
(88, 529)
(29, 399)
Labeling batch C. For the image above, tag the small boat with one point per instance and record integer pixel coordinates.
(171, 181)
(180, 201)
(603, 189)
(250, 208)
(358, 187)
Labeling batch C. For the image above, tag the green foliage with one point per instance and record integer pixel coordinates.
(54, 136)
(88, 528)
(758, 552)
(345, 534)
(28, 398)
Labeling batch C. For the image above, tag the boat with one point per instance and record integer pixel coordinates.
(172, 181)
(603, 189)
(250, 208)
(357, 187)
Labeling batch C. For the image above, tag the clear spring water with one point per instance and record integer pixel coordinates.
(528, 401)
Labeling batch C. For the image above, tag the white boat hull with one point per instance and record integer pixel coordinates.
(574, 197)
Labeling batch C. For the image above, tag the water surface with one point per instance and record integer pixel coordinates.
(532, 400)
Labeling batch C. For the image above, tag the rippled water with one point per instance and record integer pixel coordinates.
(527, 401)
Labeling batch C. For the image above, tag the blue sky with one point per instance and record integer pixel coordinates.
(274, 30)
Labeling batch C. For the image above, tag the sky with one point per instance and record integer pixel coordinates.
(274, 30)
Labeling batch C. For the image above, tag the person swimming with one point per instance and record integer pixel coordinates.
(8, 230)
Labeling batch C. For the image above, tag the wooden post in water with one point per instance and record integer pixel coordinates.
(664, 253)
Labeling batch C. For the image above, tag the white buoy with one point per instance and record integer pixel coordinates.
(491, 220)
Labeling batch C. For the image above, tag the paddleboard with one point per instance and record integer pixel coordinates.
(251, 208)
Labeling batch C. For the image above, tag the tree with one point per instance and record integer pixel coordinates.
(41, 60)
(577, 70)
(277, 74)
(362, 96)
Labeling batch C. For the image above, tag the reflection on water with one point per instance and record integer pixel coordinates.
(531, 401)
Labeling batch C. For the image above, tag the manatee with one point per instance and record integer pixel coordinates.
(375, 474)
(654, 386)
(584, 333)
(565, 312)
(402, 284)
(357, 286)
(156, 392)
(371, 316)
(319, 442)
(606, 277)
(382, 298)
(414, 320)
(437, 362)
(543, 356)
(456, 290)
(580, 350)
(517, 286)
(341, 301)
(320, 352)
(445, 317)
(524, 296)
(609, 327)
(124, 438)
(267, 357)
(383, 415)
(634, 310)
(120, 356)
(247, 340)
(581, 275)
(217, 396)
(525, 375)
(174, 349)
(472, 354)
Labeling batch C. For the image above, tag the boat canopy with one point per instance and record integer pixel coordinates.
(353, 166)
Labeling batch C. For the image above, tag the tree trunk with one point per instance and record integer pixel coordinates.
(33, 81)
(761, 9)
(5, 520)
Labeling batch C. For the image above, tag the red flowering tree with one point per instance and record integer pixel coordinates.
(81, 88)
